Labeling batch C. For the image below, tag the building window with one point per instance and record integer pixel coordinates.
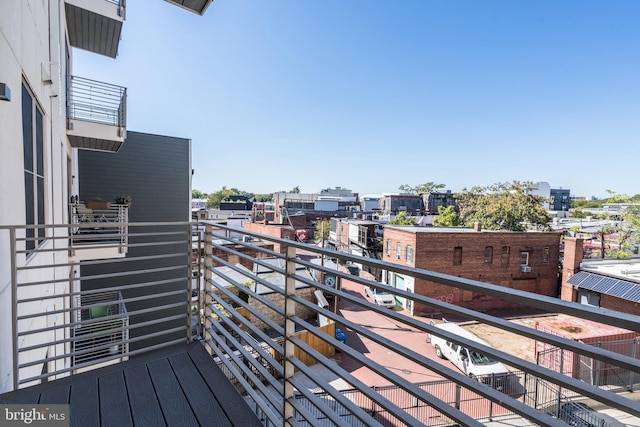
(33, 149)
(388, 247)
(546, 255)
(457, 255)
(398, 249)
(408, 254)
(505, 255)
(488, 255)
(524, 258)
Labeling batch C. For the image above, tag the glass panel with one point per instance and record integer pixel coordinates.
(29, 208)
(27, 128)
(39, 144)
(40, 183)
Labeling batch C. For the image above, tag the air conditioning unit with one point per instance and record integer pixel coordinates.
(525, 269)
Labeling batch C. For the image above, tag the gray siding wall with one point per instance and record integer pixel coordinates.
(155, 171)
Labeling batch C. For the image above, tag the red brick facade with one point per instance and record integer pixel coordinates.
(281, 231)
(486, 256)
(570, 266)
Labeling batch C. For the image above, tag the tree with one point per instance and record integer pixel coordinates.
(263, 197)
(427, 187)
(322, 230)
(503, 206)
(447, 217)
(214, 199)
(295, 190)
(402, 218)
(197, 194)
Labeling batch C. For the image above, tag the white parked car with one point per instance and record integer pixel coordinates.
(472, 363)
(380, 297)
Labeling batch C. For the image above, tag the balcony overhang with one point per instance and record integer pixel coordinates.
(95, 25)
(95, 136)
(196, 6)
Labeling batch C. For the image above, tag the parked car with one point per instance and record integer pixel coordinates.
(380, 297)
(474, 364)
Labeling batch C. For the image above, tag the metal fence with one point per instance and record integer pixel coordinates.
(235, 277)
(282, 397)
(593, 371)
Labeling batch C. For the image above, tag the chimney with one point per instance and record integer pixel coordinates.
(477, 226)
(572, 259)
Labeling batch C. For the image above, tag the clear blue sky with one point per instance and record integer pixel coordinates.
(369, 94)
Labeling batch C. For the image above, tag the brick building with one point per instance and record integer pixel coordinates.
(526, 261)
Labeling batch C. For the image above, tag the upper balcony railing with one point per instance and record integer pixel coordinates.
(259, 314)
(96, 114)
(96, 102)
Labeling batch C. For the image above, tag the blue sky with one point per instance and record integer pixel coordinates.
(369, 94)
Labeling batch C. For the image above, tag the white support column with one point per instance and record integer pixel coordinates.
(289, 332)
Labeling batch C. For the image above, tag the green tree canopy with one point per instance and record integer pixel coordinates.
(503, 206)
(214, 199)
(427, 187)
(322, 230)
(263, 197)
(197, 194)
(295, 190)
(403, 218)
(447, 217)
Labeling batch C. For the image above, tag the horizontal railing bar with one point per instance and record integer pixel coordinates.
(406, 385)
(249, 292)
(102, 346)
(228, 353)
(98, 262)
(539, 371)
(358, 412)
(240, 348)
(106, 359)
(248, 323)
(556, 340)
(90, 335)
(129, 313)
(99, 291)
(106, 276)
(88, 306)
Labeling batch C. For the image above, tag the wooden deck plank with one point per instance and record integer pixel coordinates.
(231, 401)
(179, 393)
(145, 409)
(57, 396)
(173, 402)
(83, 404)
(204, 405)
(114, 403)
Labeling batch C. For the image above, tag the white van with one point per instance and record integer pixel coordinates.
(472, 363)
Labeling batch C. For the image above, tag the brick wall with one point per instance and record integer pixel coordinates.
(280, 231)
(572, 258)
(467, 254)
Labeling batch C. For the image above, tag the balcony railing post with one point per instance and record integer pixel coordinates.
(289, 332)
(14, 305)
(208, 264)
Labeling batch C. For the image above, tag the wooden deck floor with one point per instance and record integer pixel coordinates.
(179, 385)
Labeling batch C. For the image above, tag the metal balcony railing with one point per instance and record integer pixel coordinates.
(257, 315)
(102, 227)
(96, 102)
